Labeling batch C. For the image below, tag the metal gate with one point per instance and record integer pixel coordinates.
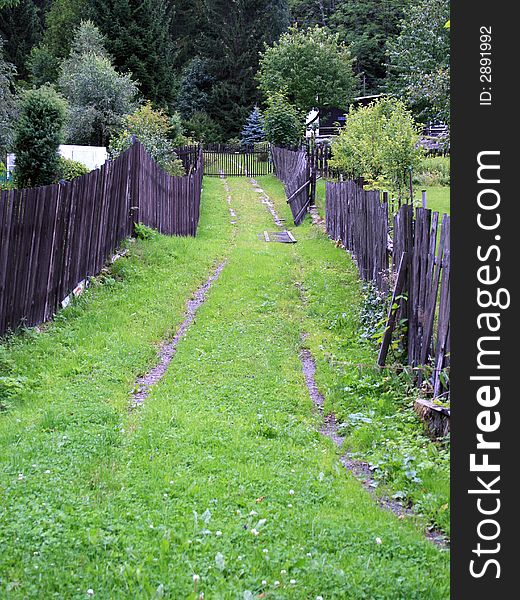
(236, 160)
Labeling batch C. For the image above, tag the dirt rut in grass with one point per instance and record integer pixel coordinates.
(167, 350)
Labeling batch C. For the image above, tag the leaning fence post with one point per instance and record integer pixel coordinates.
(392, 313)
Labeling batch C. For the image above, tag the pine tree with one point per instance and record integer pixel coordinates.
(366, 25)
(21, 29)
(232, 36)
(138, 38)
(7, 102)
(194, 88)
(253, 131)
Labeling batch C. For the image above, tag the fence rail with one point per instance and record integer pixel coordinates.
(417, 257)
(54, 237)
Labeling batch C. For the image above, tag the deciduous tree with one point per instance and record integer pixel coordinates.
(99, 96)
(311, 66)
(419, 59)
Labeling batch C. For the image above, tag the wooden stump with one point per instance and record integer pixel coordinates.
(435, 418)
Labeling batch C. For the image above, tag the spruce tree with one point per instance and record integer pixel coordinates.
(7, 102)
(232, 36)
(253, 130)
(21, 29)
(138, 38)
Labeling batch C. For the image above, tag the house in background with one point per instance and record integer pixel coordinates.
(328, 121)
(90, 156)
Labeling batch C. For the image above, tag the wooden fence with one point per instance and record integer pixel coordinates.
(292, 168)
(416, 257)
(237, 160)
(54, 237)
(359, 219)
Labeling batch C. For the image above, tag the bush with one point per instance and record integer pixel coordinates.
(283, 123)
(70, 169)
(158, 133)
(379, 143)
(38, 134)
(202, 128)
(433, 170)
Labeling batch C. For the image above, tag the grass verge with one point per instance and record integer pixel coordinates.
(221, 474)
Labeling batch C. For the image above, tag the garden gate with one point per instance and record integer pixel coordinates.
(237, 160)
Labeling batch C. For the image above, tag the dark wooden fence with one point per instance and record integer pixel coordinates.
(237, 160)
(416, 257)
(292, 168)
(54, 237)
(359, 219)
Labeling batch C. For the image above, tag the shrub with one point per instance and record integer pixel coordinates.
(142, 232)
(38, 134)
(283, 123)
(202, 128)
(154, 129)
(379, 143)
(70, 169)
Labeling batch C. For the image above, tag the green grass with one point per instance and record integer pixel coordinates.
(131, 505)
(437, 198)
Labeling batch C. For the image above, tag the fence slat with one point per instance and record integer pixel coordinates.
(53, 237)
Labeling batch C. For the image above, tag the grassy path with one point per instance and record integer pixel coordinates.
(221, 472)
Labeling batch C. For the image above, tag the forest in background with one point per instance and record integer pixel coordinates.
(199, 59)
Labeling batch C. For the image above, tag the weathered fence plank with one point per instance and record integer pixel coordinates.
(420, 262)
(54, 237)
(292, 168)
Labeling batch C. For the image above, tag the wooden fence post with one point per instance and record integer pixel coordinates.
(392, 312)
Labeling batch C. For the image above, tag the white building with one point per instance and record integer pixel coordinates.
(90, 156)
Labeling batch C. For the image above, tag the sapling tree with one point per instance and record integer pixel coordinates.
(283, 123)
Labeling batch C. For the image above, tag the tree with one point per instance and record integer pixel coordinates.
(43, 66)
(283, 123)
(231, 36)
(39, 131)
(195, 88)
(138, 37)
(98, 96)
(308, 13)
(153, 129)
(62, 20)
(21, 28)
(379, 143)
(365, 25)
(419, 60)
(253, 130)
(7, 101)
(312, 66)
